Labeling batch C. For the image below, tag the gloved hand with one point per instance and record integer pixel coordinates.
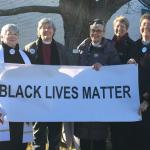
(96, 66)
(2, 114)
(143, 107)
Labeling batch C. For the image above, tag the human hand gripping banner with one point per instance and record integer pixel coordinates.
(30, 93)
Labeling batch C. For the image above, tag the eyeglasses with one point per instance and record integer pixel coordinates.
(96, 30)
(97, 21)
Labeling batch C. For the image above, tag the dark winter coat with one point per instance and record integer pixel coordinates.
(106, 54)
(142, 129)
(125, 47)
(88, 55)
(59, 53)
(16, 128)
(143, 59)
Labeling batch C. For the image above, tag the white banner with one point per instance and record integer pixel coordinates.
(31, 93)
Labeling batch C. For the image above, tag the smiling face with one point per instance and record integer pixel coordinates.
(10, 38)
(96, 32)
(145, 29)
(46, 32)
(120, 29)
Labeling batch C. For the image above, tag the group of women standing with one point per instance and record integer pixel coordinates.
(45, 51)
(96, 51)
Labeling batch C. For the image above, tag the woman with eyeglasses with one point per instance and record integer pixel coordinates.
(95, 51)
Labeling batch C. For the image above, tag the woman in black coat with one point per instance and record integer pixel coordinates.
(10, 53)
(123, 43)
(121, 132)
(143, 53)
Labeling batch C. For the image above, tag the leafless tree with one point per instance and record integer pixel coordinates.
(76, 14)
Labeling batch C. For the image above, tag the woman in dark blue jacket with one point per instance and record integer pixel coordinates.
(96, 51)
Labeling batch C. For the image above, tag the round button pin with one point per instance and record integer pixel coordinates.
(12, 51)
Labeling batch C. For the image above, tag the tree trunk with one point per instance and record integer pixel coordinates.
(76, 15)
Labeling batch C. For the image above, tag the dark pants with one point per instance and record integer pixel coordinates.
(122, 135)
(132, 136)
(92, 144)
(144, 134)
(52, 130)
(16, 134)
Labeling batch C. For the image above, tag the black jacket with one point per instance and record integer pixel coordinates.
(14, 56)
(106, 54)
(125, 48)
(88, 55)
(143, 59)
(59, 52)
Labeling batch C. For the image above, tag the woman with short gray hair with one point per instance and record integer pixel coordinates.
(44, 21)
(10, 53)
(10, 35)
(47, 51)
(9, 27)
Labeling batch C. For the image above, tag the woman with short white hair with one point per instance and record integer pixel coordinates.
(10, 53)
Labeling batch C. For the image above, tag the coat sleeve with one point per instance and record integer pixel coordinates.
(114, 58)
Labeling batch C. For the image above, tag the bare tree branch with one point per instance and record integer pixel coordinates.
(26, 9)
